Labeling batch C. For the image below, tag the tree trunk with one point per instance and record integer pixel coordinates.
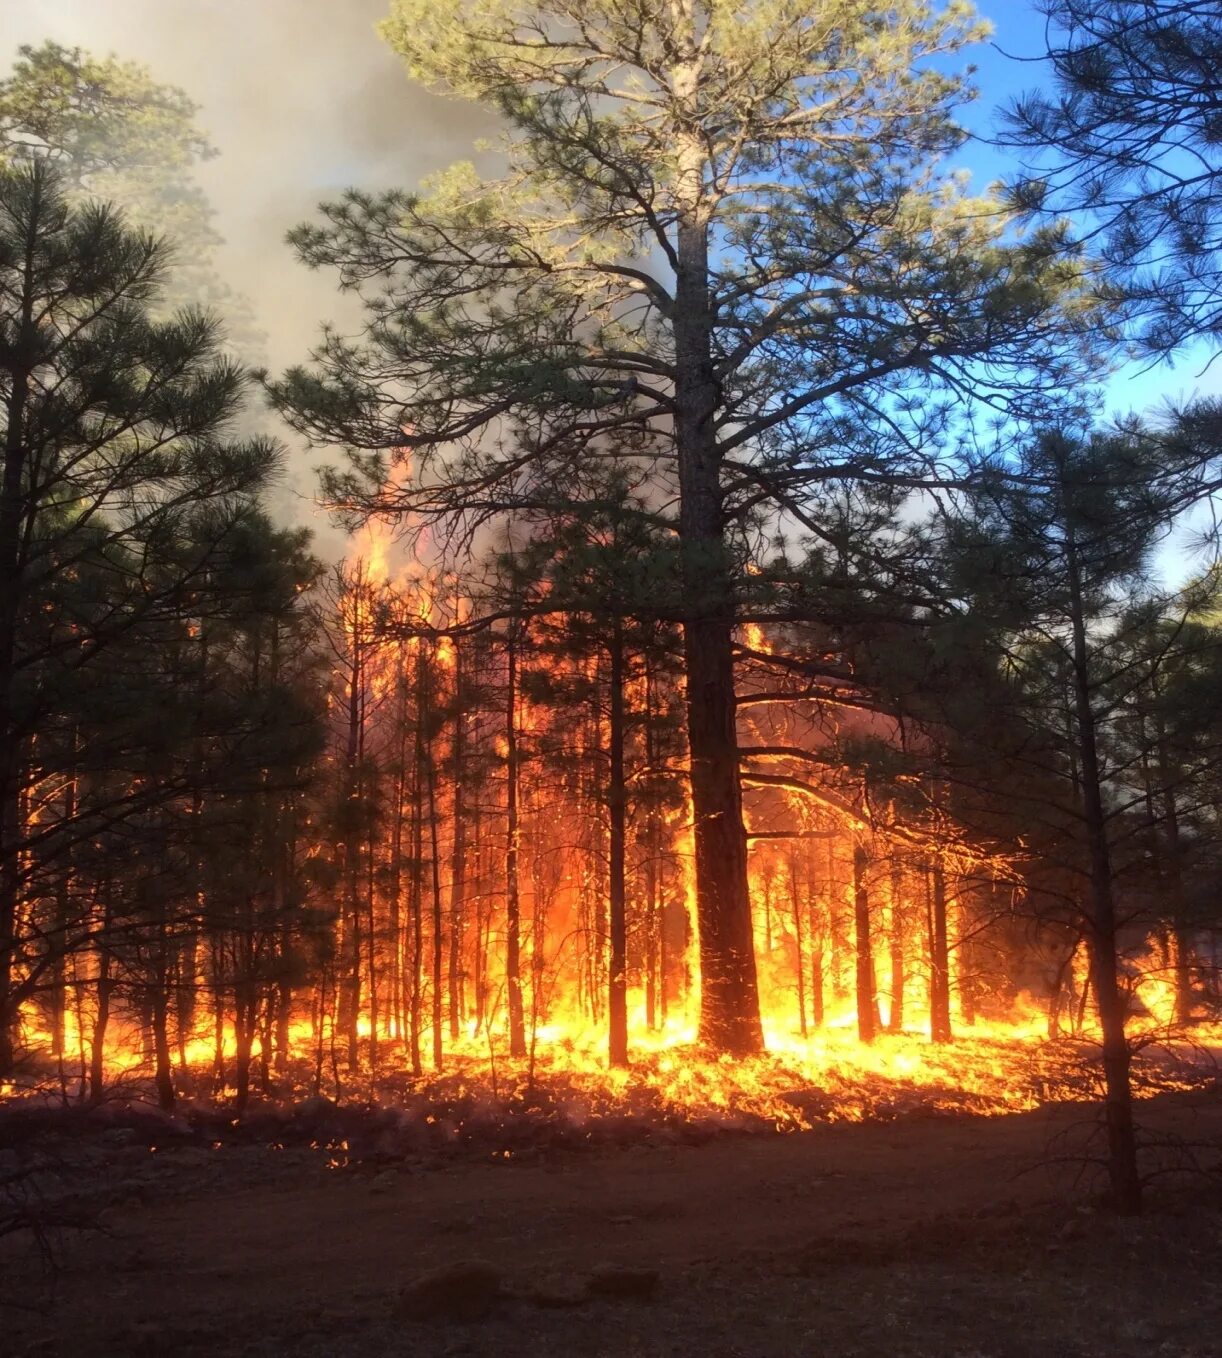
(185, 990)
(939, 956)
(395, 890)
(218, 1013)
(483, 911)
(654, 1006)
(835, 933)
(352, 954)
(105, 984)
(795, 910)
(513, 915)
(163, 1075)
(867, 1001)
(458, 856)
(416, 970)
(284, 1014)
(729, 1004)
(617, 977)
(1125, 1181)
(895, 1019)
(266, 1025)
(430, 778)
(1182, 961)
(371, 934)
(655, 939)
(244, 1040)
(14, 509)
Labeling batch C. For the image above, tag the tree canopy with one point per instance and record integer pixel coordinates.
(1129, 135)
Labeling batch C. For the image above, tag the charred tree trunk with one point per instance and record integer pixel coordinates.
(479, 960)
(796, 912)
(617, 796)
(867, 1001)
(217, 979)
(21, 359)
(57, 942)
(939, 955)
(1174, 868)
(835, 932)
(186, 977)
(817, 927)
(655, 968)
(352, 954)
(395, 892)
(245, 1025)
(430, 781)
(104, 988)
(967, 976)
(266, 1028)
(458, 855)
(1126, 1189)
(163, 1074)
(284, 1014)
(895, 1019)
(416, 970)
(513, 912)
(371, 936)
(818, 1005)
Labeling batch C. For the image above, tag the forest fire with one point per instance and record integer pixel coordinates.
(1012, 1050)
(720, 848)
(446, 917)
(501, 812)
(684, 727)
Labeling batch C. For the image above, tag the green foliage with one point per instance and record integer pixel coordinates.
(1130, 134)
(156, 699)
(854, 297)
(116, 135)
(94, 117)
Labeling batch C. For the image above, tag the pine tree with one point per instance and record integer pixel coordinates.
(117, 447)
(1129, 135)
(606, 581)
(719, 252)
(117, 135)
(1062, 551)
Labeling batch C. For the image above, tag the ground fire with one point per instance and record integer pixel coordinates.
(464, 860)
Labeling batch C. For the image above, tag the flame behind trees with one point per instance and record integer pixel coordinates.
(1082, 645)
(719, 252)
(904, 738)
(364, 913)
(126, 502)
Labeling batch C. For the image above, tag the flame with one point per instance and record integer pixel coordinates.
(1002, 1067)
(373, 546)
(804, 901)
(753, 635)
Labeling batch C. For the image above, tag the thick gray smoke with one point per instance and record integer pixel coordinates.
(302, 99)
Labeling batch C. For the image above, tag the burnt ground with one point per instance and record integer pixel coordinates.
(946, 1237)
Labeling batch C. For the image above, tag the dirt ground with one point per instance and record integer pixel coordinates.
(930, 1238)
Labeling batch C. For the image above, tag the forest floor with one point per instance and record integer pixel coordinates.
(946, 1236)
